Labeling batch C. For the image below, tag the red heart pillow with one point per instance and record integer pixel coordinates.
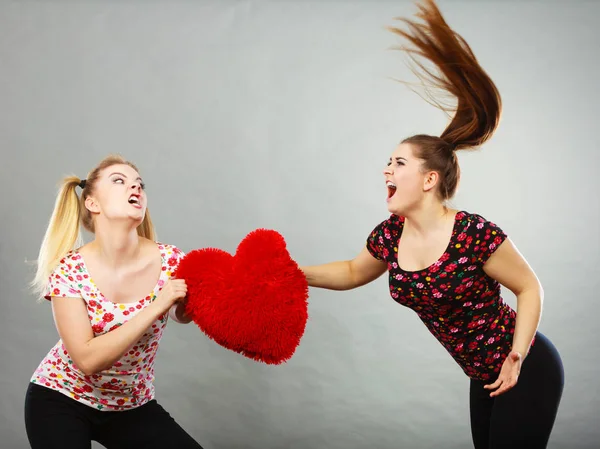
(253, 303)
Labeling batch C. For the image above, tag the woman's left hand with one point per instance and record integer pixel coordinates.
(509, 374)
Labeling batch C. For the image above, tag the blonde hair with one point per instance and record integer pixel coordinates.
(63, 231)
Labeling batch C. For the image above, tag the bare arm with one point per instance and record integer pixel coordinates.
(94, 354)
(511, 269)
(347, 274)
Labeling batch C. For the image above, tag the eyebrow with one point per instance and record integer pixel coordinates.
(398, 158)
(125, 176)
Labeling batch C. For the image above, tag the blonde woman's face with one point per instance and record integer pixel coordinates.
(118, 194)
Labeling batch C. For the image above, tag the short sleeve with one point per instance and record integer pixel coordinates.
(62, 282)
(382, 238)
(487, 237)
(174, 257)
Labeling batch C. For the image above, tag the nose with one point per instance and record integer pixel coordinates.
(387, 170)
(136, 185)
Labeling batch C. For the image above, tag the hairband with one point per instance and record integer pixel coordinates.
(82, 183)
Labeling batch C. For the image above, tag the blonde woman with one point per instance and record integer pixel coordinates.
(111, 299)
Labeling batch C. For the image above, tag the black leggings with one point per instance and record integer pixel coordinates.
(55, 421)
(522, 417)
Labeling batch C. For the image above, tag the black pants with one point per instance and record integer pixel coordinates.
(522, 417)
(55, 421)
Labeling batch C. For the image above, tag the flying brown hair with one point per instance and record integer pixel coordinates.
(478, 104)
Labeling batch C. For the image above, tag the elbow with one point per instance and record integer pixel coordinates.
(88, 372)
(538, 290)
(85, 368)
(353, 280)
(88, 368)
(533, 292)
(87, 365)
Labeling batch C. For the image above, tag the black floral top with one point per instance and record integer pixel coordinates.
(457, 301)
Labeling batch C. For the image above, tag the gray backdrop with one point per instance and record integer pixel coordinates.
(247, 114)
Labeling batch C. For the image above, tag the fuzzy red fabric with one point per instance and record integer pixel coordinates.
(254, 302)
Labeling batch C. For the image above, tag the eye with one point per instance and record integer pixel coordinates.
(143, 185)
(118, 180)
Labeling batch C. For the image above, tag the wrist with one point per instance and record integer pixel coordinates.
(158, 308)
(519, 350)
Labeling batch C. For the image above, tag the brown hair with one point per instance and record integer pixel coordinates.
(63, 231)
(478, 103)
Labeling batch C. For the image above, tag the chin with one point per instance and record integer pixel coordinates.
(394, 210)
(137, 219)
(397, 209)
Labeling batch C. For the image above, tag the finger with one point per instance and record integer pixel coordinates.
(497, 385)
(494, 385)
(505, 387)
(499, 392)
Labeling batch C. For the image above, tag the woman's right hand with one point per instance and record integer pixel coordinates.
(173, 291)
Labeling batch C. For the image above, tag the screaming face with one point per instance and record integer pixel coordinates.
(406, 182)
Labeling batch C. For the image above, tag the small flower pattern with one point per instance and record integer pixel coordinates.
(129, 382)
(458, 302)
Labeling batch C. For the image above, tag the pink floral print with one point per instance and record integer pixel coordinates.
(130, 381)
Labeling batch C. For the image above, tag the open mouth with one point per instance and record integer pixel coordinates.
(391, 189)
(134, 199)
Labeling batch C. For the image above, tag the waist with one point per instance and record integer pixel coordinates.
(118, 387)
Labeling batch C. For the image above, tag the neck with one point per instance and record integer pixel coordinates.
(117, 246)
(428, 218)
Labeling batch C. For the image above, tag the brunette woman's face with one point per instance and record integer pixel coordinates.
(405, 179)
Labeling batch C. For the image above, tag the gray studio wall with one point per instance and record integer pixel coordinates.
(255, 114)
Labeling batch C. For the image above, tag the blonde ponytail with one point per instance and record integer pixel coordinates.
(62, 233)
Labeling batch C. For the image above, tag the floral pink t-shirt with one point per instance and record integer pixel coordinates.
(129, 382)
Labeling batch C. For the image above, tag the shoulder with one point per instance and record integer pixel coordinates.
(483, 235)
(477, 224)
(170, 250)
(170, 254)
(384, 235)
(392, 223)
(388, 229)
(66, 277)
(69, 264)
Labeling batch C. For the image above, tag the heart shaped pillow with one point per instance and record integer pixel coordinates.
(254, 302)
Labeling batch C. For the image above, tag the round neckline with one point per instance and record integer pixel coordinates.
(101, 296)
(459, 214)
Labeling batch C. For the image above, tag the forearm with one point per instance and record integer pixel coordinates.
(331, 276)
(529, 312)
(102, 352)
(177, 313)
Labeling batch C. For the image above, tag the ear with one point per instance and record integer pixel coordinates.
(430, 180)
(92, 205)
